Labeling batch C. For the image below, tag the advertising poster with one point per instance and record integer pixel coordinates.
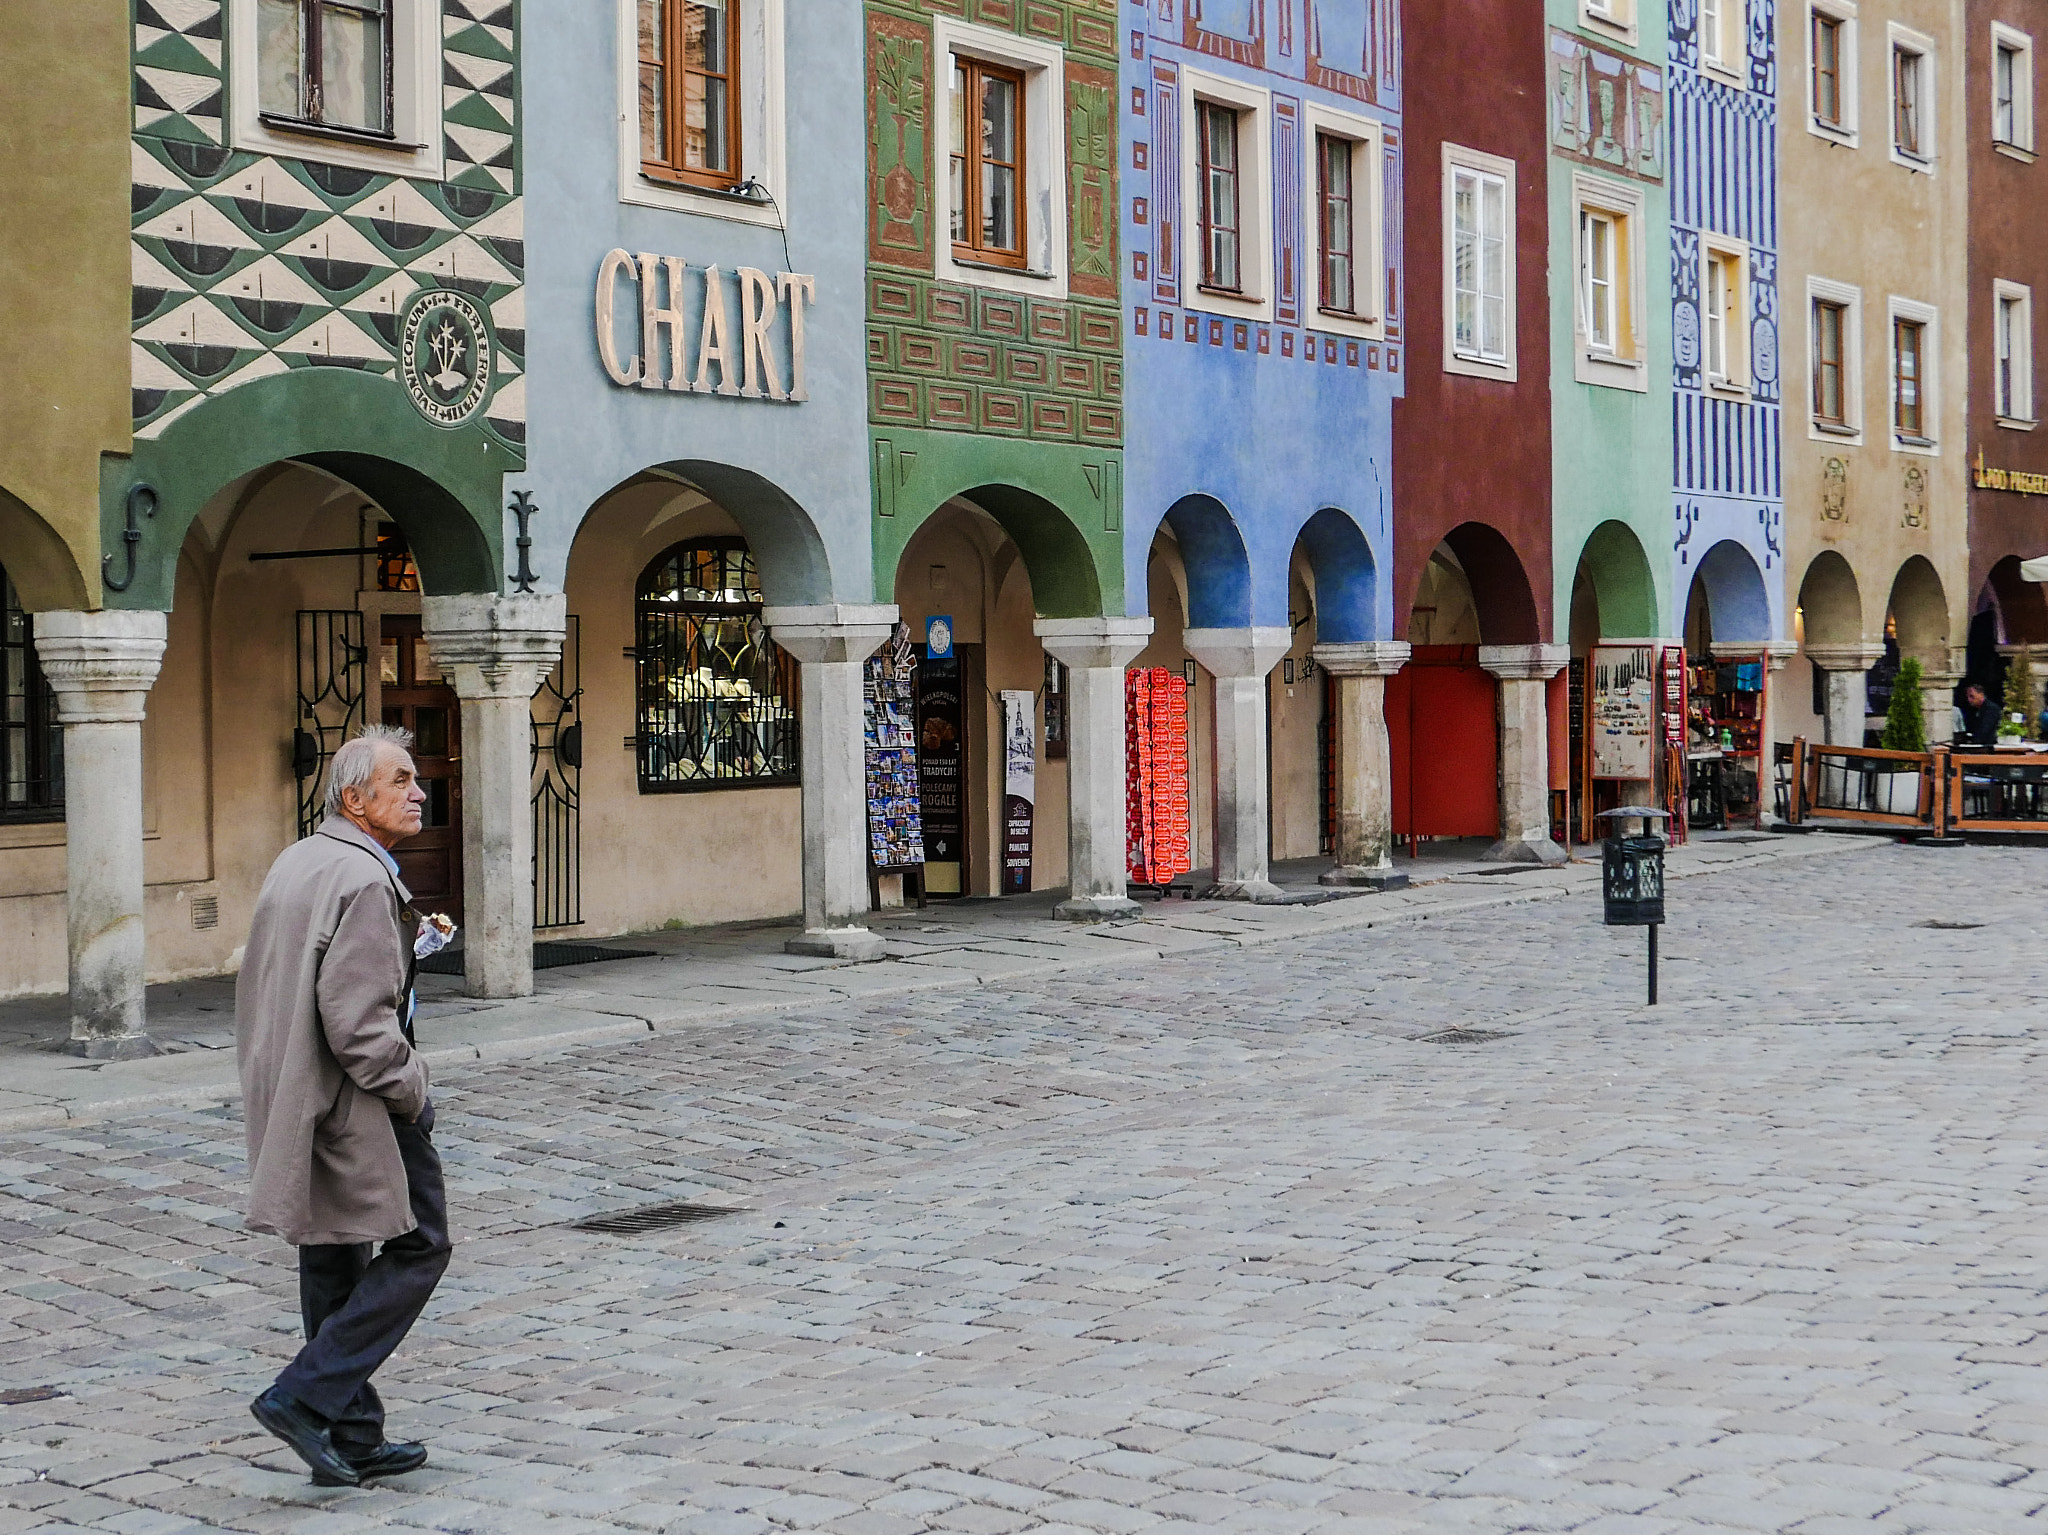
(895, 826)
(1020, 788)
(941, 774)
(1624, 707)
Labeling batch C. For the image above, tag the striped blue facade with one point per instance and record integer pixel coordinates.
(1726, 462)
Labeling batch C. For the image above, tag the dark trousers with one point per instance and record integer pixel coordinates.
(358, 1308)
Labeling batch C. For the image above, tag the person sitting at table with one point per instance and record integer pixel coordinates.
(1977, 719)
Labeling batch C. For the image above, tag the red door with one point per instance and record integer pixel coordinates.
(1444, 737)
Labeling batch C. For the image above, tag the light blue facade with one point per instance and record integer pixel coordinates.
(794, 475)
(1727, 474)
(1249, 427)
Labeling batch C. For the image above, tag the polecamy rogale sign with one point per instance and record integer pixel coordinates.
(738, 351)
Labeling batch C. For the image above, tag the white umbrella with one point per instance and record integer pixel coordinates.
(2034, 569)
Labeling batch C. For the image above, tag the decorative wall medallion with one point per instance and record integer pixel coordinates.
(1834, 490)
(445, 356)
(1685, 334)
(1914, 514)
(1763, 351)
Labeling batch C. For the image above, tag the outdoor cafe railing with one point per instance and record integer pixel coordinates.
(1940, 791)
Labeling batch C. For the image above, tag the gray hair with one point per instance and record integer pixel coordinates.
(355, 761)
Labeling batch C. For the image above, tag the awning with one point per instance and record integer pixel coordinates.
(2035, 569)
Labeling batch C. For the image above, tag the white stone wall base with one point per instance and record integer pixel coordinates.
(1097, 908)
(851, 943)
(1260, 892)
(1361, 876)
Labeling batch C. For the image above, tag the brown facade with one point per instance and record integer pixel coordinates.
(1472, 454)
(2008, 223)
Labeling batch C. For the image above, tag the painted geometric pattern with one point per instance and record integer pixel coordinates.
(1760, 41)
(247, 264)
(1158, 237)
(947, 356)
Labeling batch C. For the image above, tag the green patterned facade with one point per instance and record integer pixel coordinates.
(972, 387)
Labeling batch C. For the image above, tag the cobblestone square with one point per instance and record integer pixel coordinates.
(1225, 1241)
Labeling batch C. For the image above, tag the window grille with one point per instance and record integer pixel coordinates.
(31, 744)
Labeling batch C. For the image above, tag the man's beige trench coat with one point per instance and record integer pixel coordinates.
(322, 1051)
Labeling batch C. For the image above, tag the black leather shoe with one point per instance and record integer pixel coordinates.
(391, 1458)
(308, 1434)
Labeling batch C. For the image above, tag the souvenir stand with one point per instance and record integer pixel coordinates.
(889, 725)
(1724, 739)
(1157, 837)
(1618, 714)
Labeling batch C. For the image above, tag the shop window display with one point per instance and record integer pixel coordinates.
(716, 696)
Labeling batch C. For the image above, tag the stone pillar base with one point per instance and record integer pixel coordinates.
(1260, 892)
(126, 1047)
(1097, 908)
(1524, 850)
(853, 943)
(1358, 876)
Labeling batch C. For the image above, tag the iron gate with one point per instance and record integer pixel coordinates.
(331, 665)
(557, 783)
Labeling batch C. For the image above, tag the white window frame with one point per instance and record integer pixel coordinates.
(1368, 241)
(1904, 40)
(2005, 39)
(1725, 61)
(1735, 376)
(1044, 194)
(2019, 417)
(1457, 158)
(1849, 131)
(1254, 107)
(1626, 367)
(1609, 18)
(1897, 309)
(416, 148)
(1850, 298)
(764, 135)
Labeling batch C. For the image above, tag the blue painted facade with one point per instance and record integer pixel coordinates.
(794, 475)
(1250, 427)
(1727, 470)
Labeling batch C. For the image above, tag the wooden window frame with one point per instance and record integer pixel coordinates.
(1909, 101)
(2012, 54)
(1205, 222)
(1914, 431)
(1835, 30)
(312, 72)
(1327, 143)
(670, 169)
(971, 250)
(1822, 308)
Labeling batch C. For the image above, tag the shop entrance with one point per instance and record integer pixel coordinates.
(1727, 620)
(1444, 740)
(418, 698)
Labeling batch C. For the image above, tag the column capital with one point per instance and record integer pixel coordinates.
(1846, 656)
(1525, 663)
(1090, 643)
(831, 631)
(101, 665)
(1362, 658)
(1250, 652)
(496, 645)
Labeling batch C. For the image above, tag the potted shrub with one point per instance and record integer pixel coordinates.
(2018, 705)
(1905, 730)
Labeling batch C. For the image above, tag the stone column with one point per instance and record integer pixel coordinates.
(1524, 670)
(831, 642)
(101, 667)
(1365, 780)
(1095, 652)
(495, 651)
(1938, 705)
(1848, 686)
(1239, 660)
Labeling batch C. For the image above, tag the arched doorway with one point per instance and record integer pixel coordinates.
(1727, 704)
(1827, 623)
(1916, 626)
(1618, 680)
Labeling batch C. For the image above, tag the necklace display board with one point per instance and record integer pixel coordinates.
(1156, 806)
(889, 725)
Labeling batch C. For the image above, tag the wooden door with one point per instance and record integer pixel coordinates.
(1443, 734)
(417, 697)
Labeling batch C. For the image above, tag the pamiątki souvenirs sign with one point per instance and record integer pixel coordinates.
(734, 344)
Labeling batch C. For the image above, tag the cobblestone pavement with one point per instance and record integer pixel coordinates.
(1225, 1242)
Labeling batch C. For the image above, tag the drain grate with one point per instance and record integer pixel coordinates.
(546, 956)
(1949, 927)
(1465, 1036)
(22, 1395)
(681, 1212)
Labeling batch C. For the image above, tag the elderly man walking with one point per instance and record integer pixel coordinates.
(341, 1151)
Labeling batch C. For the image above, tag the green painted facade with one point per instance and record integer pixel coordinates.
(1013, 401)
(272, 295)
(65, 115)
(1610, 446)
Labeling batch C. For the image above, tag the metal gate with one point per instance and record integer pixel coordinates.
(557, 781)
(332, 660)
